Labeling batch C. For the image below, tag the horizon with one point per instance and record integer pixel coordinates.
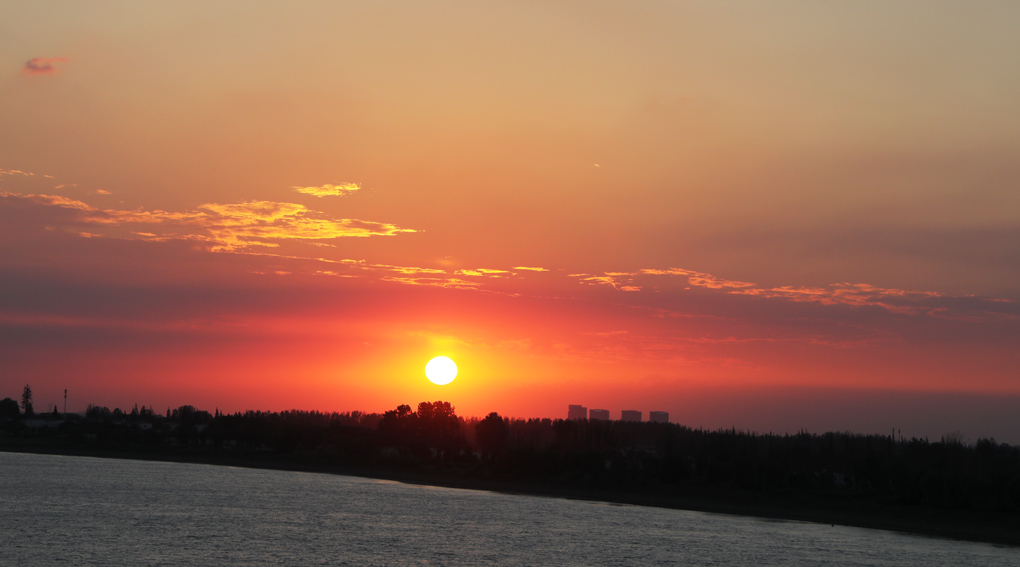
(770, 218)
(993, 416)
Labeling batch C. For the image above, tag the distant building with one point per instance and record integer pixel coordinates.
(577, 412)
(658, 416)
(630, 415)
(602, 414)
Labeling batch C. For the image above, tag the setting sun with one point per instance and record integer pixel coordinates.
(441, 370)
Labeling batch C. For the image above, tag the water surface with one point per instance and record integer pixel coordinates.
(57, 510)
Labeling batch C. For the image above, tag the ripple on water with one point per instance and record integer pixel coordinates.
(87, 511)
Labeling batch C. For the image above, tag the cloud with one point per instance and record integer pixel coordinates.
(530, 269)
(897, 301)
(255, 228)
(482, 272)
(52, 200)
(220, 227)
(42, 65)
(408, 275)
(699, 279)
(405, 270)
(621, 281)
(858, 295)
(14, 172)
(452, 283)
(329, 190)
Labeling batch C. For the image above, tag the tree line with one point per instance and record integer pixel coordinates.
(606, 455)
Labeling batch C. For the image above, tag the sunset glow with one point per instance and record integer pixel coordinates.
(748, 215)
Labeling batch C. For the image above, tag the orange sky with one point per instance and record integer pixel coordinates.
(754, 215)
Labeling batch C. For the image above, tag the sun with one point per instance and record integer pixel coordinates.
(441, 370)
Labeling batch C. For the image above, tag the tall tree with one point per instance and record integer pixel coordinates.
(26, 401)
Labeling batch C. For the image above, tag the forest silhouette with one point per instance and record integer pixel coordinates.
(803, 475)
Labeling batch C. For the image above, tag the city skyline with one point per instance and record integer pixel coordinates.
(577, 411)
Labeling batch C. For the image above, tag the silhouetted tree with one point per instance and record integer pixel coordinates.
(493, 433)
(399, 428)
(98, 412)
(399, 421)
(9, 408)
(26, 401)
(613, 455)
(439, 427)
(438, 418)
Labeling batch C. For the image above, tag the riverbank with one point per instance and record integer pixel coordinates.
(982, 526)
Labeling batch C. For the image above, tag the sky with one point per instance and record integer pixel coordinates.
(772, 216)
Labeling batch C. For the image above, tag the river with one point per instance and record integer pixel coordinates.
(59, 510)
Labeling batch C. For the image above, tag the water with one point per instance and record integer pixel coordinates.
(58, 510)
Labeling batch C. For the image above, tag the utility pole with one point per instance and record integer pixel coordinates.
(65, 403)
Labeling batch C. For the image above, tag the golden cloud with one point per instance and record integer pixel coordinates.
(452, 283)
(406, 270)
(482, 272)
(14, 172)
(699, 279)
(251, 227)
(225, 227)
(329, 190)
(617, 280)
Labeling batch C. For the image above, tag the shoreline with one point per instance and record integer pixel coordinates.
(962, 525)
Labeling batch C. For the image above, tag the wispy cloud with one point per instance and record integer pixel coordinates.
(699, 279)
(329, 190)
(258, 227)
(859, 295)
(408, 275)
(52, 200)
(405, 270)
(14, 172)
(42, 65)
(223, 227)
(853, 294)
(452, 283)
(4, 171)
(621, 281)
(483, 272)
